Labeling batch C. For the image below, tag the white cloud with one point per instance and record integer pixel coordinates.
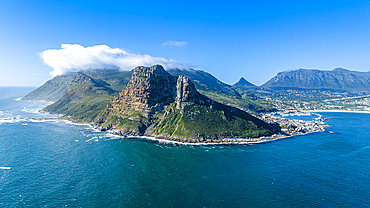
(74, 57)
(174, 43)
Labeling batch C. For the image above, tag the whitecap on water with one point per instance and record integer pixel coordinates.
(77, 124)
(31, 110)
(92, 139)
(5, 168)
(41, 120)
(11, 120)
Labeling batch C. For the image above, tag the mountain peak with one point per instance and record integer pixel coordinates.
(340, 70)
(243, 84)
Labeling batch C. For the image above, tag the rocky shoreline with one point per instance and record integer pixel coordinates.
(176, 140)
(198, 142)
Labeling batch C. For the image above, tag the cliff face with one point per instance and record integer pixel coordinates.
(152, 88)
(148, 91)
(185, 91)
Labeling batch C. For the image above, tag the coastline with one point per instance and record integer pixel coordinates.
(339, 111)
(223, 142)
(163, 140)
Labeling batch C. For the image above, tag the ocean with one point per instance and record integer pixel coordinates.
(54, 163)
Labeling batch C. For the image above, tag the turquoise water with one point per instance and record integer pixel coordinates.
(56, 164)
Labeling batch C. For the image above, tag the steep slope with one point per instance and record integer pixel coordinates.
(206, 82)
(52, 90)
(117, 79)
(213, 88)
(157, 104)
(337, 79)
(85, 98)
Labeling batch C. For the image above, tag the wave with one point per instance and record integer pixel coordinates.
(92, 139)
(31, 110)
(5, 168)
(11, 120)
(18, 99)
(77, 124)
(41, 120)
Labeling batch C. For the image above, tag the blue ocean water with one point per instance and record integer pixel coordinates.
(58, 164)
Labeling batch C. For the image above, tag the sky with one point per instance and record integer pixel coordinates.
(229, 39)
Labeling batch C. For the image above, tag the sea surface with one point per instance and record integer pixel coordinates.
(54, 163)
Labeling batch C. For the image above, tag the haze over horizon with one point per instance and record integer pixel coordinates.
(249, 39)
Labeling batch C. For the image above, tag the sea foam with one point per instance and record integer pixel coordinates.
(30, 110)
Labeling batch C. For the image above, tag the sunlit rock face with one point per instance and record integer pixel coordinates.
(152, 88)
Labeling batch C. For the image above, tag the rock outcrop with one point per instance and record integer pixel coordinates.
(148, 91)
(152, 88)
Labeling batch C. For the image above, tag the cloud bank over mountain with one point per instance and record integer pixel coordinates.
(74, 57)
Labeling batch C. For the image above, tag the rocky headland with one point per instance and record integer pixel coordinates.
(157, 104)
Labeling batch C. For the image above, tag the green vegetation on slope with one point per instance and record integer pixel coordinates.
(202, 122)
(84, 100)
(127, 120)
(213, 88)
(52, 90)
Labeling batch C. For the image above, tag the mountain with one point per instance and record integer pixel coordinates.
(155, 103)
(54, 89)
(85, 98)
(213, 88)
(205, 83)
(336, 79)
(244, 84)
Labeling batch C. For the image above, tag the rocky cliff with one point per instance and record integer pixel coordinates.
(148, 91)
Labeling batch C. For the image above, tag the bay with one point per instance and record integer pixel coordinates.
(55, 163)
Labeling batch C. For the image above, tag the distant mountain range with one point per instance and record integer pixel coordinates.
(311, 84)
(336, 79)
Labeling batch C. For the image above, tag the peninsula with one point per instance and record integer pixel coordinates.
(173, 106)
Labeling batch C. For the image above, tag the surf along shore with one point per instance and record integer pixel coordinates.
(290, 128)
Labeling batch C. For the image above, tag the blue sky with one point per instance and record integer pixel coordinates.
(230, 39)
